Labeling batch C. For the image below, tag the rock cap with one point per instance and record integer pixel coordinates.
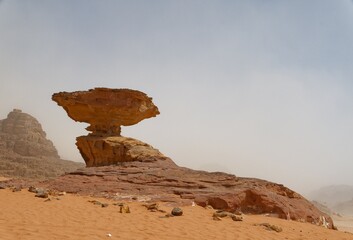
(105, 109)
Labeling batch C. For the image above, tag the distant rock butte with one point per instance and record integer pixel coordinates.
(25, 151)
(121, 166)
(22, 134)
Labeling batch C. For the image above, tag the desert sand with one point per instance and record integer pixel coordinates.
(25, 217)
(344, 223)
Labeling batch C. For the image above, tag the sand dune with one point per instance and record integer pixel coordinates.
(26, 217)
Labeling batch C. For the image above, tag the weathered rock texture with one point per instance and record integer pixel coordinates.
(26, 152)
(23, 134)
(100, 151)
(135, 168)
(106, 110)
(162, 180)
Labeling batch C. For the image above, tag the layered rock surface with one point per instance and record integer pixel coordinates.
(106, 110)
(101, 151)
(26, 152)
(162, 180)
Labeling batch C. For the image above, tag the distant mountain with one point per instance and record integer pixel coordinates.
(332, 195)
(323, 208)
(339, 198)
(22, 134)
(26, 152)
(345, 208)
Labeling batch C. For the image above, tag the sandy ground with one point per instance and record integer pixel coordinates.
(344, 223)
(25, 217)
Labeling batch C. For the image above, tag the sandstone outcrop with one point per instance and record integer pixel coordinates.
(162, 180)
(101, 151)
(106, 110)
(125, 167)
(26, 152)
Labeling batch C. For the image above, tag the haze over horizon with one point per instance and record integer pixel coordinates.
(257, 89)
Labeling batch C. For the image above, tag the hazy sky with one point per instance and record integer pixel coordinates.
(256, 88)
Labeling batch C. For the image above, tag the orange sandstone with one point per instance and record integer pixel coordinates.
(106, 110)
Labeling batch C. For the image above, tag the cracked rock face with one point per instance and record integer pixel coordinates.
(106, 110)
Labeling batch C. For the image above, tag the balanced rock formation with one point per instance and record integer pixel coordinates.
(120, 166)
(23, 134)
(25, 152)
(106, 110)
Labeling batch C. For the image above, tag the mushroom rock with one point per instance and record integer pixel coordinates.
(118, 164)
(106, 110)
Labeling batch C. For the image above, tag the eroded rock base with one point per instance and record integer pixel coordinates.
(162, 180)
(104, 151)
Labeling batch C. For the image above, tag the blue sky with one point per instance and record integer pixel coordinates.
(258, 89)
